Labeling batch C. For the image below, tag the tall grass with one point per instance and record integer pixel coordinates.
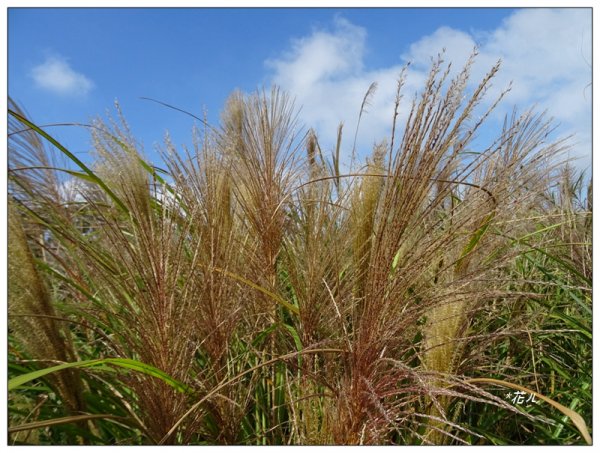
(294, 304)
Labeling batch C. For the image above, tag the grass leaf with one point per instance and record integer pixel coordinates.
(130, 364)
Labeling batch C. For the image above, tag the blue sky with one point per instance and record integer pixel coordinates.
(69, 65)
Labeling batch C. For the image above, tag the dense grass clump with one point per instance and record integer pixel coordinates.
(252, 293)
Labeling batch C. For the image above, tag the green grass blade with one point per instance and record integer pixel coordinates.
(89, 173)
(572, 406)
(129, 364)
(475, 238)
(585, 331)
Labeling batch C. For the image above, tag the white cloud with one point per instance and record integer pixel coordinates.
(325, 73)
(56, 75)
(322, 56)
(546, 53)
(458, 47)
